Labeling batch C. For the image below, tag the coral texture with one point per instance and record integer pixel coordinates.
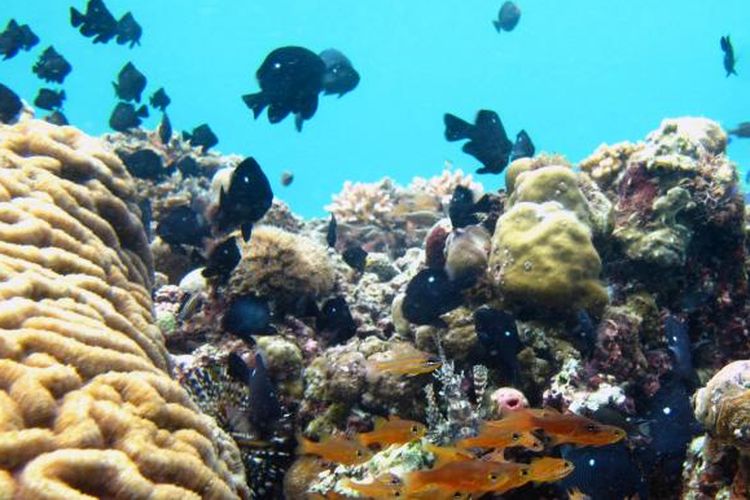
(87, 408)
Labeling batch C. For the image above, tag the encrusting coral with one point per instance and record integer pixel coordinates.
(87, 408)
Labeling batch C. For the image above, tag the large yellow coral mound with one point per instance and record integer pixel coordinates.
(87, 408)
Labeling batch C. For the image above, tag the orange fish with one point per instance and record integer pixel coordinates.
(576, 494)
(549, 469)
(387, 486)
(521, 421)
(446, 454)
(575, 429)
(490, 437)
(516, 475)
(392, 430)
(335, 449)
(467, 476)
(410, 362)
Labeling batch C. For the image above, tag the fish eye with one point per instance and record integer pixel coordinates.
(359, 453)
(493, 477)
(396, 493)
(516, 436)
(524, 472)
(414, 428)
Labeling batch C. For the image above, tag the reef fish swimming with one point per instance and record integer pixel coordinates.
(335, 322)
(222, 259)
(488, 141)
(335, 449)
(144, 164)
(523, 147)
(15, 38)
(392, 430)
(165, 129)
(248, 315)
(10, 104)
(499, 341)
(125, 116)
(290, 80)
(52, 66)
(265, 409)
(202, 136)
(429, 294)
(741, 130)
(408, 361)
(128, 30)
(490, 437)
(130, 83)
(340, 76)
(97, 22)
(49, 99)
(356, 257)
(729, 58)
(159, 99)
(247, 199)
(507, 17)
(182, 226)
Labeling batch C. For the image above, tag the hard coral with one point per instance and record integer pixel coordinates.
(85, 393)
(363, 202)
(282, 266)
(723, 405)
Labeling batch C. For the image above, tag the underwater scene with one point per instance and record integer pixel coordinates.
(379, 250)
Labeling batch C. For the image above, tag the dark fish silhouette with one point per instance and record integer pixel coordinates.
(742, 130)
(498, 340)
(183, 226)
(356, 257)
(248, 315)
(202, 136)
(247, 200)
(10, 104)
(604, 472)
(523, 148)
(15, 38)
(729, 59)
(507, 17)
(144, 164)
(98, 22)
(160, 99)
(287, 178)
(146, 216)
(130, 83)
(165, 129)
(125, 116)
(331, 233)
(340, 76)
(680, 349)
(51, 66)
(461, 208)
(189, 167)
(49, 99)
(488, 141)
(129, 31)
(264, 410)
(583, 333)
(56, 118)
(222, 259)
(429, 294)
(290, 80)
(335, 323)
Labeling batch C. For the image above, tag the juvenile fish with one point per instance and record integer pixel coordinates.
(392, 430)
(334, 449)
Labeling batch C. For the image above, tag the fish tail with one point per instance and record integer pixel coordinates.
(456, 128)
(76, 18)
(498, 27)
(256, 102)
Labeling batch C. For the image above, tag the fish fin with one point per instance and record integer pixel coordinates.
(117, 88)
(456, 128)
(76, 17)
(303, 444)
(247, 230)
(142, 111)
(725, 43)
(256, 102)
(380, 422)
(277, 113)
(497, 25)
(470, 148)
(298, 121)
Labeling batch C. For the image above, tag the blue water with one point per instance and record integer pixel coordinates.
(574, 74)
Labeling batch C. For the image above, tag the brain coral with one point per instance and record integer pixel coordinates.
(87, 408)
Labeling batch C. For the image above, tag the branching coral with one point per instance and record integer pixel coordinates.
(364, 202)
(86, 406)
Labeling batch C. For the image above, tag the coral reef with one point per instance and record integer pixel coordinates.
(88, 405)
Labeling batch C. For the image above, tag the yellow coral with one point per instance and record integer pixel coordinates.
(607, 163)
(551, 183)
(282, 266)
(521, 165)
(87, 408)
(542, 257)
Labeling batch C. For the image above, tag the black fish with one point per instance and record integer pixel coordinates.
(146, 216)
(729, 59)
(331, 233)
(129, 31)
(335, 322)
(265, 409)
(49, 99)
(182, 226)
(287, 178)
(461, 209)
(10, 104)
(248, 315)
(130, 83)
(202, 136)
(290, 80)
(16, 37)
(144, 164)
(583, 333)
(125, 116)
(742, 130)
(507, 17)
(488, 141)
(56, 118)
(51, 66)
(160, 99)
(97, 22)
(356, 257)
(604, 472)
(523, 148)
(340, 76)
(498, 340)
(189, 166)
(223, 259)
(165, 129)
(429, 294)
(247, 200)
(680, 349)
